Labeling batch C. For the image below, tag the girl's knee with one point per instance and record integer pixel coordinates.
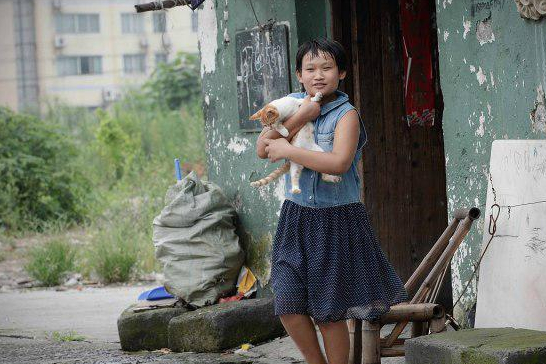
(331, 325)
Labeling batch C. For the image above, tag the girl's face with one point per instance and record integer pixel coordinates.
(320, 74)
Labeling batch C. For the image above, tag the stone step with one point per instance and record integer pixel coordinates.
(146, 330)
(208, 329)
(478, 346)
(226, 325)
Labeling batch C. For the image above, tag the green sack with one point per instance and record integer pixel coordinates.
(195, 241)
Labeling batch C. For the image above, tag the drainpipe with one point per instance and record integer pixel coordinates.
(25, 54)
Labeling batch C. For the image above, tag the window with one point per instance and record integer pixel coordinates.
(160, 58)
(79, 65)
(77, 23)
(194, 22)
(134, 63)
(160, 22)
(132, 23)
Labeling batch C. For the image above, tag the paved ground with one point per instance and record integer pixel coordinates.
(27, 320)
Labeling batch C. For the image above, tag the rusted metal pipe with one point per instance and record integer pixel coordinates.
(160, 5)
(473, 213)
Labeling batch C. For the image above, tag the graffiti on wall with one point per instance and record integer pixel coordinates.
(263, 71)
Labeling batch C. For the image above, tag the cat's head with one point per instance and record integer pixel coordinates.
(267, 115)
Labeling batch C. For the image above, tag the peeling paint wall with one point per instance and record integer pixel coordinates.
(231, 156)
(492, 71)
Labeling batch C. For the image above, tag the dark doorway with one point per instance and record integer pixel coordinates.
(403, 169)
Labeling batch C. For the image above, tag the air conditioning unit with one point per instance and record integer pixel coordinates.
(143, 42)
(60, 41)
(56, 4)
(110, 94)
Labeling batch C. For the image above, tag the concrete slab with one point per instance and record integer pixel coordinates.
(92, 312)
(478, 346)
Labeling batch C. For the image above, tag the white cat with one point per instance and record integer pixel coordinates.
(272, 115)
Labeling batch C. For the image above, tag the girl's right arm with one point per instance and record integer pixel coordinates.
(308, 111)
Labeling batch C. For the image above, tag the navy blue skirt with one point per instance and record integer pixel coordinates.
(327, 263)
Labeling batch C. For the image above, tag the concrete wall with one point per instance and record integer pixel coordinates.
(8, 69)
(231, 156)
(492, 62)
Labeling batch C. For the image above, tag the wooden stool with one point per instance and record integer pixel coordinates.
(366, 344)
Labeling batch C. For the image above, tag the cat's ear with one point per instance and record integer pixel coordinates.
(257, 115)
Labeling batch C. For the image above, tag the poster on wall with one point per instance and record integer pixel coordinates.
(419, 91)
(512, 279)
(263, 71)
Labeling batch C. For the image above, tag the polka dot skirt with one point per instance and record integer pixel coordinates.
(326, 263)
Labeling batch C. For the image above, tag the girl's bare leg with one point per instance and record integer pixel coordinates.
(336, 341)
(302, 330)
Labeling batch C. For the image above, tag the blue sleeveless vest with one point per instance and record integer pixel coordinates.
(314, 191)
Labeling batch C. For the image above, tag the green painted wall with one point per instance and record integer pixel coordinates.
(231, 156)
(491, 63)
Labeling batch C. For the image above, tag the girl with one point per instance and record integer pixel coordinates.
(326, 262)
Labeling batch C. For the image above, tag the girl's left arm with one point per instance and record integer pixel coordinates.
(338, 161)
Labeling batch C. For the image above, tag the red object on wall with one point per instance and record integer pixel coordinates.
(419, 95)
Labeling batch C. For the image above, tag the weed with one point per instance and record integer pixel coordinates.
(50, 262)
(113, 254)
(66, 336)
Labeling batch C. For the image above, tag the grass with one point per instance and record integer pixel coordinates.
(50, 262)
(113, 254)
(66, 336)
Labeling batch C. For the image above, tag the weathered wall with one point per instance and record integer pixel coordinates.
(492, 62)
(231, 156)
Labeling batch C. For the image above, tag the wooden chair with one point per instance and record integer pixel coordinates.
(367, 346)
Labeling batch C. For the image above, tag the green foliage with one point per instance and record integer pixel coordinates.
(39, 181)
(66, 336)
(77, 122)
(175, 83)
(133, 135)
(116, 147)
(113, 254)
(50, 262)
(125, 152)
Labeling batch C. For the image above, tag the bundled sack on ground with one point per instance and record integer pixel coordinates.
(195, 241)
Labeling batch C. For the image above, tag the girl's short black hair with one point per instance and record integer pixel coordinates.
(314, 46)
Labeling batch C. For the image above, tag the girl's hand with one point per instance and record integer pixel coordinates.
(310, 109)
(277, 149)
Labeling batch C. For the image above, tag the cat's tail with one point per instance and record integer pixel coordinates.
(272, 176)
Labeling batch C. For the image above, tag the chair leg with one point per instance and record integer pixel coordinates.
(355, 341)
(438, 324)
(371, 342)
(418, 328)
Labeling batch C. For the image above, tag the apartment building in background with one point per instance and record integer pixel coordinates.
(84, 52)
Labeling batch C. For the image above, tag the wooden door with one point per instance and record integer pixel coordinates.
(404, 184)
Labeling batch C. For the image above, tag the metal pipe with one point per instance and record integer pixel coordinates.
(160, 5)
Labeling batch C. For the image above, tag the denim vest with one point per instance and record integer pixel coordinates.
(314, 191)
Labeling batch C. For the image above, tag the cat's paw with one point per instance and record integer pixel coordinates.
(331, 178)
(283, 131)
(317, 97)
(296, 190)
